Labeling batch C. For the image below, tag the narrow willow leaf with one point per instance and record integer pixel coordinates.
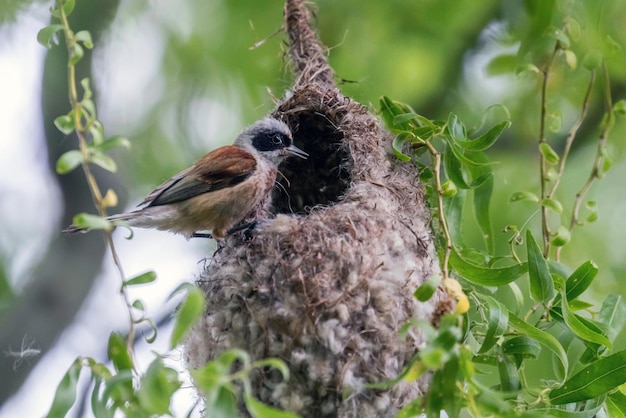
(406, 117)
(509, 376)
(541, 284)
(389, 109)
(552, 204)
(114, 142)
(549, 153)
(594, 380)
(84, 37)
(578, 327)
(580, 279)
(454, 168)
(147, 277)
(522, 345)
(571, 59)
(68, 7)
(104, 161)
(562, 237)
(443, 393)
(46, 36)
(455, 128)
(156, 388)
(274, 363)
(398, 144)
(258, 409)
(117, 351)
(485, 276)
(545, 339)
(486, 140)
(460, 154)
(592, 59)
(65, 395)
(612, 315)
(76, 55)
(523, 196)
(498, 323)
(69, 161)
(619, 108)
(428, 288)
(482, 199)
(616, 404)
(222, 402)
(453, 211)
(190, 310)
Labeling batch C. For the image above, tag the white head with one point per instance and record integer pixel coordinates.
(271, 139)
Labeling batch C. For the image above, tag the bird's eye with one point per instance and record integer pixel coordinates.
(276, 139)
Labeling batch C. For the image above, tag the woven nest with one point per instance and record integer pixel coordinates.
(326, 281)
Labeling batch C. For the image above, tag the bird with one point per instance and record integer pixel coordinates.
(219, 190)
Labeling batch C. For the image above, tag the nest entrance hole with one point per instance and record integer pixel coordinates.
(321, 179)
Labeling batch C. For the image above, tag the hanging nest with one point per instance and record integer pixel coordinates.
(326, 281)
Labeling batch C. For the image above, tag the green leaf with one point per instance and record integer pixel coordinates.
(260, 410)
(274, 363)
(398, 144)
(84, 37)
(612, 315)
(616, 404)
(428, 288)
(485, 276)
(592, 207)
(578, 327)
(389, 109)
(455, 128)
(443, 393)
(402, 119)
(553, 205)
(65, 395)
(580, 279)
(65, 123)
(545, 339)
(68, 7)
(69, 161)
(522, 345)
(117, 351)
(88, 221)
(571, 59)
(147, 277)
(76, 55)
(482, 199)
(619, 108)
(592, 60)
(46, 36)
(594, 380)
(113, 142)
(549, 153)
(498, 323)
(541, 284)
(562, 237)
(190, 310)
(224, 403)
(486, 140)
(157, 387)
(509, 376)
(104, 161)
(523, 196)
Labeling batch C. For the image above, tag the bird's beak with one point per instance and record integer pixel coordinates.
(293, 150)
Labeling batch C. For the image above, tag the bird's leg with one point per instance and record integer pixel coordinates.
(247, 227)
(201, 235)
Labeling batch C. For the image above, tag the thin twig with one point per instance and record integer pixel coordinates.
(543, 169)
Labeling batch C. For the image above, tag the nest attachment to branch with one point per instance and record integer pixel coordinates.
(327, 282)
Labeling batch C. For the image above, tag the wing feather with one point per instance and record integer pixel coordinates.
(224, 167)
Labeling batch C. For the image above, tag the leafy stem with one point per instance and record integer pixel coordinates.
(81, 128)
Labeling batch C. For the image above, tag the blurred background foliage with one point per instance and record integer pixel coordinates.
(181, 78)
